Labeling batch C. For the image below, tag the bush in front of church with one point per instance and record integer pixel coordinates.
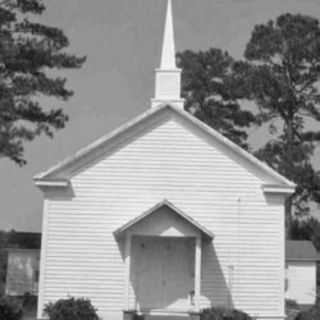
(10, 309)
(221, 313)
(311, 314)
(71, 309)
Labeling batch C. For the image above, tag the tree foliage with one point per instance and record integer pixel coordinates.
(306, 229)
(282, 76)
(28, 52)
(212, 92)
(10, 309)
(222, 313)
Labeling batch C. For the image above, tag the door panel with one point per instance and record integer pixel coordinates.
(162, 271)
(178, 272)
(148, 266)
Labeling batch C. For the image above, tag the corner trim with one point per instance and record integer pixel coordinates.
(43, 255)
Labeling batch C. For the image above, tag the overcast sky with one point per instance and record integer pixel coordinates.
(122, 42)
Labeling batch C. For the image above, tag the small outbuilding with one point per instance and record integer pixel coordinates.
(22, 272)
(301, 272)
(22, 257)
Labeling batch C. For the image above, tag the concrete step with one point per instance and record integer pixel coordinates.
(167, 317)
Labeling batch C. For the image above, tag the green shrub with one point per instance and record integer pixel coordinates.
(137, 316)
(71, 309)
(311, 314)
(291, 304)
(29, 301)
(221, 313)
(10, 309)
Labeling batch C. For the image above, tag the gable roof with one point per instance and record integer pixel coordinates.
(51, 175)
(208, 234)
(301, 250)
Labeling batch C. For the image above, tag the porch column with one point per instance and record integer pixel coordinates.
(127, 272)
(197, 273)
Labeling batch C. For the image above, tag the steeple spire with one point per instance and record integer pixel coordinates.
(168, 47)
(168, 76)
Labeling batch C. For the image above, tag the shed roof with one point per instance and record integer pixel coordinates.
(301, 250)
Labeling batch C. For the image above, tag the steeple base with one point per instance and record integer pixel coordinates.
(168, 76)
(179, 103)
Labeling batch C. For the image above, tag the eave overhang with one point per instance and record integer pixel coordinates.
(278, 189)
(62, 183)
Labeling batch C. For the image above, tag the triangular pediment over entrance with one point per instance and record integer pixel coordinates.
(166, 220)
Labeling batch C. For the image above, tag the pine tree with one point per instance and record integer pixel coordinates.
(212, 92)
(28, 52)
(282, 76)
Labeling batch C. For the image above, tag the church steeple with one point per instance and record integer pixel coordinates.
(168, 47)
(168, 76)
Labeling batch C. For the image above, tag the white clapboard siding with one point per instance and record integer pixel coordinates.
(241, 267)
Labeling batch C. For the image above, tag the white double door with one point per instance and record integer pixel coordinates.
(162, 272)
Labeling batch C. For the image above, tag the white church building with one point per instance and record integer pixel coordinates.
(164, 216)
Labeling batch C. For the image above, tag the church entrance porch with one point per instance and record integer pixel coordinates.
(162, 251)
